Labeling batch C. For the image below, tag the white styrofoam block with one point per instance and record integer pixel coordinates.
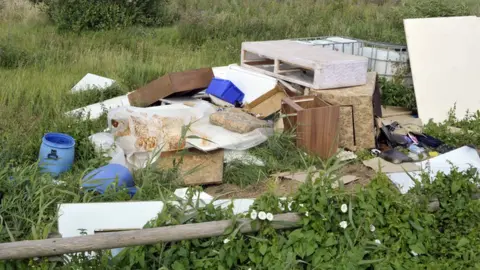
(240, 206)
(220, 72)
(97, 109)
(202, 197)
(92, 81)
(444, 59)
(252, 84)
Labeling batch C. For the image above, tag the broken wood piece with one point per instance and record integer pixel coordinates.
(289, 87)
(52, 247)
(183, 83)
(196, 167)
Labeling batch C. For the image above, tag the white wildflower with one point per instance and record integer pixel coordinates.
(226, 240)
(377, 242)
(253, 214)
(306, 214)
(343, 224)
(269, 216)
(290, 206)
(344, 208)
(301, 205)
(281, 206)
(262, 215)
(372, 228)
(414, 253)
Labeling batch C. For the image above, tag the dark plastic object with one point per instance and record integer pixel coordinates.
(394, 140)
(225, 90)
(395, 156)
(427, 140)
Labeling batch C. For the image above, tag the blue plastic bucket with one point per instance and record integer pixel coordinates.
(102, 178)
(56, 153)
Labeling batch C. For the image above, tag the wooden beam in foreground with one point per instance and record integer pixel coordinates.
(59, 246)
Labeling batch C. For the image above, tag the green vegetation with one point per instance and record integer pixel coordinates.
(40, 61)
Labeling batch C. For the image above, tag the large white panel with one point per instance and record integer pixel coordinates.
(444, 57)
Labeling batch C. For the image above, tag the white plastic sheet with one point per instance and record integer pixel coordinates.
(92, 81)
(94, 111)
(463, 158)
(213, 137)
(142, 133)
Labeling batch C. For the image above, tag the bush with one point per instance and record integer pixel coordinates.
(79, 15)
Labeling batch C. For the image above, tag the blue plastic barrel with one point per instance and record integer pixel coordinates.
(56, 153)
(104, 177)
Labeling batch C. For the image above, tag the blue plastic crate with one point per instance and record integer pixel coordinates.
(225, 90)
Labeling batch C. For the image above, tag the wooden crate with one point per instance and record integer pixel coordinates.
(197, 168)
(315, 123)
(303, 64)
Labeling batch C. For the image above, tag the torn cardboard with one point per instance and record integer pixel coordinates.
(268, 103)
(186, 83)
(381, 165)
(303, 176)
(196, 167)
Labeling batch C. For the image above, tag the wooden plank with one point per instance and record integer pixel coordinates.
(176, 83)
(196, 167)
(317, 130)
(52, 247)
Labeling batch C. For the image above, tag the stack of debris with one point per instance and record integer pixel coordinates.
(324, 95)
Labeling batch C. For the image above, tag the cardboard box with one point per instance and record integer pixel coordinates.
(359, 105)
(267, 104)
(185, 83)
(197, 167)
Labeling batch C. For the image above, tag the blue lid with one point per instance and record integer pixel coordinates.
(58, 140)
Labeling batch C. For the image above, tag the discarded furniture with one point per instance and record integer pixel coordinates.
(315, 122)
(196, 167)
(303, 64)
(185, 83)
(358, 106)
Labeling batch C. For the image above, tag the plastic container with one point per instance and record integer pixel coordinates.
(225, 90)
(104, 177)
(56, 153)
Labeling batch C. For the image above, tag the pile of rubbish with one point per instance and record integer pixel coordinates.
(324, 90)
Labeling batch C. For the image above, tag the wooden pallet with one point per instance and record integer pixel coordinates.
(309, 66)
